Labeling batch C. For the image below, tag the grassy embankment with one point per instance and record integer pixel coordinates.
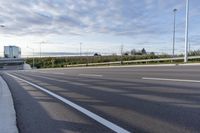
(57, 62)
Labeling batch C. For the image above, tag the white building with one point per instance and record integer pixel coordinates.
(12, 52)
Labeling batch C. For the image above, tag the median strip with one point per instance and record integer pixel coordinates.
(88, 113)
(174, 80)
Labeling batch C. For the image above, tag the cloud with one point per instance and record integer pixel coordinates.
(80, 17)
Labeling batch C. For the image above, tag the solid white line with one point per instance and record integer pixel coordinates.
(174, 80)
(90, 75)
(90, 114)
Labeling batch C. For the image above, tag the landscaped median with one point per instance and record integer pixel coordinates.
(7, 111)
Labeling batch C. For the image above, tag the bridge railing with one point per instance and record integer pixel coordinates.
(11, 60)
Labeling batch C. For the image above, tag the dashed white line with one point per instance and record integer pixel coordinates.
(51, 73)
(90, 75)
(174, 80)
(88, 113)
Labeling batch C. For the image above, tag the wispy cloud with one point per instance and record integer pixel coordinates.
(132, 18)
(80, 16)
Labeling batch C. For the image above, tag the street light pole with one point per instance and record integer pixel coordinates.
(189, 46)
(33, 60)
(174, 32)
(2, 26)
(122, 50)
(186, 31)
(33, 57)
(41, 48)
(80, 49)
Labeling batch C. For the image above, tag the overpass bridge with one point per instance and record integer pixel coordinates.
(12, 64)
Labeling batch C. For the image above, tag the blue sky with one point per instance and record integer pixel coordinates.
(100, 25)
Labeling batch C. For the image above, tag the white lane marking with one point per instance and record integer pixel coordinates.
(174, 80)
(90, 114)
(90, 75)
(51, 73)
(58, 73)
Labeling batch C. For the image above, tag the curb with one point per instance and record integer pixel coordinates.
(7, 111)
(124, 66)
(190, 64)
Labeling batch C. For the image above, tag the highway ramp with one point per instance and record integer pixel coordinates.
(141, 100)
(7, 111)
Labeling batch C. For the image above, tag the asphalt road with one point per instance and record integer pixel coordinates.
(140, 100)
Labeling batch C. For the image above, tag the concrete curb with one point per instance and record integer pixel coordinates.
(7, 111)
(190, 64)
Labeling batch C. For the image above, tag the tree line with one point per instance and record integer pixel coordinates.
(138, 52)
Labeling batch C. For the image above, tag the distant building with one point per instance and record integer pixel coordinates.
(12, 52)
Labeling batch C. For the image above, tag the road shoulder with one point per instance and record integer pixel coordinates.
(7, 111)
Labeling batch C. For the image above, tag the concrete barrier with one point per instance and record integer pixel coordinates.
(26, 67)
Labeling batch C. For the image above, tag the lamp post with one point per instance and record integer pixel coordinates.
(80, 49)
(33, 56)
(2, 26)
(189, 46)
(41, 48)
(186, 31)
(174, 32)
(122, 50)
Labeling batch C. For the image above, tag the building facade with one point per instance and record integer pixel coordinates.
(12, 52)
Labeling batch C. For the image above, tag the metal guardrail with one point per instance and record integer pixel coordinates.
(164, 59)
(135, 61)
(154, 60)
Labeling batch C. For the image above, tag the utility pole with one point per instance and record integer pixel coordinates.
(186, 31)
(174, 33)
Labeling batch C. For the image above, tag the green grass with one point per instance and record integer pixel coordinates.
(60, 62)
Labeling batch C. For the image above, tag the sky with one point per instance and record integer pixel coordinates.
(100, 25)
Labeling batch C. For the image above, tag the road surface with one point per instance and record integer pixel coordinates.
(129, 99)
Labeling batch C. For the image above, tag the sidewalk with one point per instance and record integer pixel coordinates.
(7, 112)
